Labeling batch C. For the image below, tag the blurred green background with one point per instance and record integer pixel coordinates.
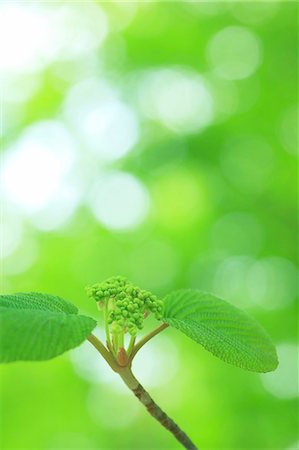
(156, 140)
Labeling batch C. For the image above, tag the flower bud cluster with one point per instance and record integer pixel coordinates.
(127, 305)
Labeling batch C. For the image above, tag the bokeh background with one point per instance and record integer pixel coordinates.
(156, 140)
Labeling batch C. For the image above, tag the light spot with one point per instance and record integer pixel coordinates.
(205, 8)
(234, 53)
(91, 367)
(247, 162)
(272, 283)
(106, 125)
(237, 233)
(253, 13)
(59, 211)
(119, 201)
(230, 280)
(35, 167)
(116, 411)
(110, 130)
(86, 96)
(24, 36)
(71, 72)
(79, 29)
(178, 97)
(34, 35)
(158, 362)
(283, 382)
(23, 258)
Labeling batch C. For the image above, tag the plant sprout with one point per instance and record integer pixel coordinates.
(38, 327)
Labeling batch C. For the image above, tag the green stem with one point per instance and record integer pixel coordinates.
(139, 391)
(104, 352)
(121, 339)
(131, 344)
(109, 344)
(142, 395)
(146, 338)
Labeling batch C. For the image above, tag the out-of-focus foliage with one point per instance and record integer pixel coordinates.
(155, 140)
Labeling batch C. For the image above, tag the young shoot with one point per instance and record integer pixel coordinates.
(38, 326)
(125, 307)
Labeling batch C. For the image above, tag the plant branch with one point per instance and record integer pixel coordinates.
(146, 338)
(138, 390)
(104, 352)
(142, 395)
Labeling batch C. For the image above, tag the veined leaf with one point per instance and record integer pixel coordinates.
(37, 327)
(221, 328)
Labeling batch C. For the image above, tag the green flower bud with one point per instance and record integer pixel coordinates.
(127, 305)
(133, 331)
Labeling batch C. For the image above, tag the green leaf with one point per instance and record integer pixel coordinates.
(36, 327)
(221, 328)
